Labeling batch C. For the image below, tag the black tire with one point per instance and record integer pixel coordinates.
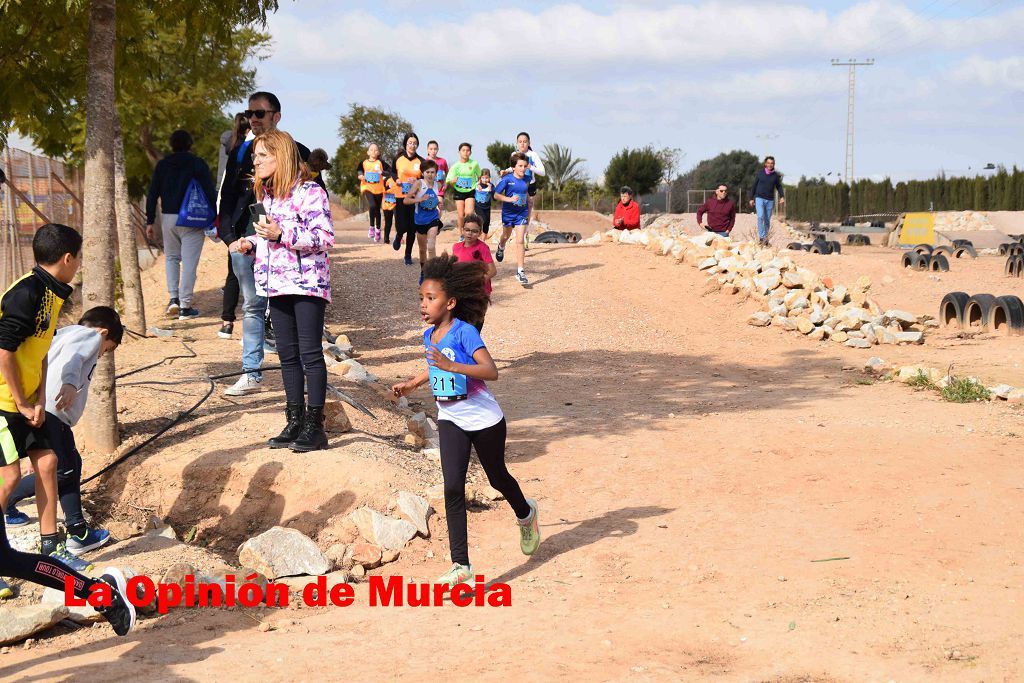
(943, 249)
(1004, 248)
(939, 263)
(795, 246)
(1015, 250)
(805, 247)
(877, 224)
(951, 310)
(978, 312)
(835, 248)
(1010, 267)
(965, 249)
(924, 262)
(550, 237)
(963, 243)
(923, 249)
(1018, 268)
(1007, 316)
(910, 259)
(819, 248)
(857, 240)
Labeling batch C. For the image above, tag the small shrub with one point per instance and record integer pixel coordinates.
(921, 381)
(965, 390)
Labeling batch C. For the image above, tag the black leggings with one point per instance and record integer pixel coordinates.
(69, 473)
(298, 326)
(405, 225)
(230, 295)
(490, 450)
(373, 201)
(39, 568)
(389, 216)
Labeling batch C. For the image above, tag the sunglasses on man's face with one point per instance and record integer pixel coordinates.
(258, 113)
(721, 191)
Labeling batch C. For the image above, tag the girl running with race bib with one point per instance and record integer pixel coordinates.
(371, 186)
(482, 199)
(388, 204)
(425, 195)
(453, 302)
(407, 171)
(462, 178)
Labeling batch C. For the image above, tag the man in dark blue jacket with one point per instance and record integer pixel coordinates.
(766, 182)
(182, 245)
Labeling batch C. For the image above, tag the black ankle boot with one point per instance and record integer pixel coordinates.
(295, 413)
(312, 437)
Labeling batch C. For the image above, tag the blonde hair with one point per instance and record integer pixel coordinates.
(291, 170)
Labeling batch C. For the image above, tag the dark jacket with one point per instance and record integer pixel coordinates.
(721, 214)
(171, 178)
(236, 193)
(764, 185)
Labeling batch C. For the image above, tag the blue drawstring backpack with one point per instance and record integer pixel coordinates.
(195, 211)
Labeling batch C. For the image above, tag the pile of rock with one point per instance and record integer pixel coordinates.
(960, 221)
(795, 298)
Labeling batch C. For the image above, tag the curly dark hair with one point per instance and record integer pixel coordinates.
(464, 282)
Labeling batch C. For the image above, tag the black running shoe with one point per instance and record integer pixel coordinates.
(121, 613)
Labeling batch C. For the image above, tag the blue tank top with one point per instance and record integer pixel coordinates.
(427, 211)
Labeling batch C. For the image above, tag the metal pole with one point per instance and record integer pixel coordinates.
(852, 64)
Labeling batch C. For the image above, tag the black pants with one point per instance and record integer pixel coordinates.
(484, 211)
(69, 473)
(299, 326)
(230, 295)
(405, 225)
(389, 216)
(373, 202)
(38, 568)
(490, 450)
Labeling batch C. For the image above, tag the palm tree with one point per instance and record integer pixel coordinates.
(561, 167)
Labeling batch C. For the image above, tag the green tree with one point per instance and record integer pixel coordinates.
(498, 153)
(642, 169)
(561, 166)
(358, 129)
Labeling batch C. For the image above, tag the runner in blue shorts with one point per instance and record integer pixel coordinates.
(513, 191)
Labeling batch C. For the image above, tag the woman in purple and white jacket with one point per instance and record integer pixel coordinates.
(293, 271)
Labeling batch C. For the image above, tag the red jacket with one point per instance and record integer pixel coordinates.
(627, 217)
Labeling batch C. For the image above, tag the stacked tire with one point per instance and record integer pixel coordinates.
(982, 313)
(922, 257)
(819, 246)
(857, 240)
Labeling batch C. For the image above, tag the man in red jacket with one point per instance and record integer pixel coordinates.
(720, 210)
(627, 213)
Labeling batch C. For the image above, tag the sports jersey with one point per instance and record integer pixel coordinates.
(427, 211)
(442, 173)
(518, 212)
(373, 176)
(407, 171)
(464, 175)
(483, 195)
(28, 318)
(390, 188)
(474, 406)
(478, 252)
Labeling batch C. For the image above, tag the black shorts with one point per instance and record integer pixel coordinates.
(533, 189)
(17, 438)
(424, 229)
(463, 196)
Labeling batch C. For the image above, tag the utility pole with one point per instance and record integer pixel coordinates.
(852, 64)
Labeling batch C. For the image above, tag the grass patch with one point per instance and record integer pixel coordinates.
(864, 381)
(965, 390)
(921, 381)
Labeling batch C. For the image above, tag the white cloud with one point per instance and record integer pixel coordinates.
(992, 73)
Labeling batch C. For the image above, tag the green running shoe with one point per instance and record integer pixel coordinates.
(5, 591)
(529, 531)
(61, 554)
(459, 573)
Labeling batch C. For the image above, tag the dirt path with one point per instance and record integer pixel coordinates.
(690, 469)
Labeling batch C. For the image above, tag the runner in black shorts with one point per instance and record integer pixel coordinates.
(462, 179)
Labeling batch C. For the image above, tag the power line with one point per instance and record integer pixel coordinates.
(852, 64)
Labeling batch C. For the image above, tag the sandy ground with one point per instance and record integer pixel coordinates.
(692, 472)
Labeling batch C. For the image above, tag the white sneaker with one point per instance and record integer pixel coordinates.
(521, 277)
(248, 383)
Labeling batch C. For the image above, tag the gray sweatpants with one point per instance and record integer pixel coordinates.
(182, 248)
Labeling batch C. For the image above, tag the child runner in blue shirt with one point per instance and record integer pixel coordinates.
(482, 195)
(453, 302)
(427, 196)
(513, 192)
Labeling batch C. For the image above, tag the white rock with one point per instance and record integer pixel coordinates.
(909, 337)
(859, 343)
(759, 319)
(1001, 391)
(387, 532)
(417, 510)
(23, 621)
(280, 551)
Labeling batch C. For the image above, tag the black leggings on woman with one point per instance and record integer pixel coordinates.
(373, 201)
(455, 450)
(406, 225)
(39, 568)
(299, 325)
(389, 216)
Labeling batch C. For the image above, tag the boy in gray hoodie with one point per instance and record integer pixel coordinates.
(71, 361)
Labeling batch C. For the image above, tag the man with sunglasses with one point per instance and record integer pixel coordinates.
(236, 195)
(720, 212)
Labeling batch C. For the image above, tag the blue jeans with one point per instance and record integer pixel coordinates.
(764, 216)
(254, 308)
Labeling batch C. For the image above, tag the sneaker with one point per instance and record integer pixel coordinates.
(61, 554)
(369, 233)
(408, 260)
(376, 235)
(173, 306)
(269, 346)
(226, 330)
(16, 518)
(529, 530)
(459, 573)
(248, 383)
(5, 591)
(521, 277)
(397, 244)
(121, 613)
(92, 539)
(187, 313)
(500, 254)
